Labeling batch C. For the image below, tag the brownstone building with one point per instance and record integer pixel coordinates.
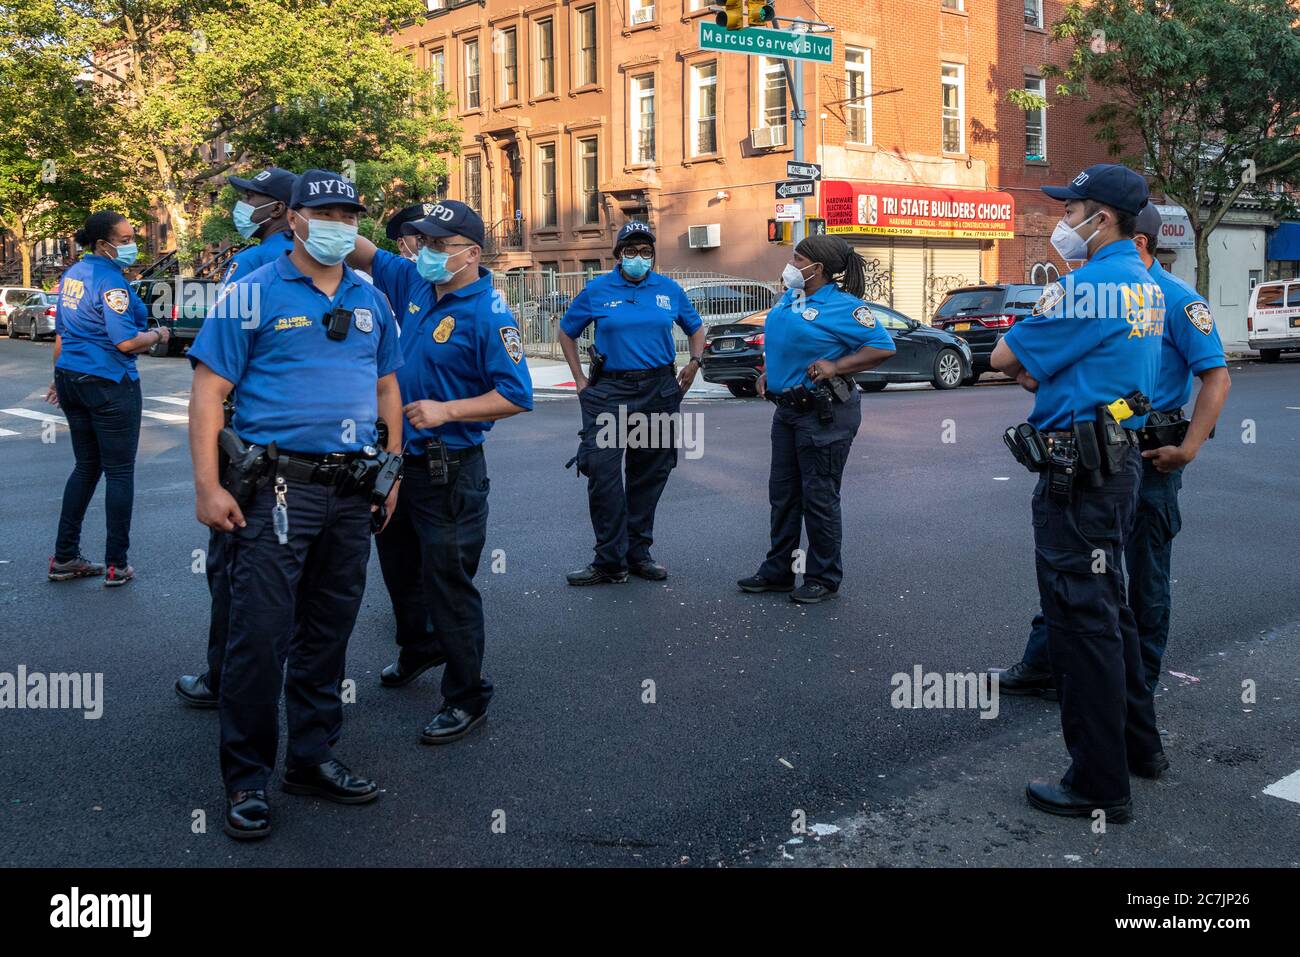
(580, 114)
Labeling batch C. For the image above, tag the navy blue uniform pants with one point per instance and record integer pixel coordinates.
(623, 513)
(1107, 711)
(808, 459)
(292, 610)
(429, 555)
(219, 615)
(1147, 553)
(104, 422)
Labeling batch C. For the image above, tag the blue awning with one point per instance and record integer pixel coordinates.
(1283, 243)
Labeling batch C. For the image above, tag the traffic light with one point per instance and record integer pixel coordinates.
(734, 17)
(778, 232)
(761, 13)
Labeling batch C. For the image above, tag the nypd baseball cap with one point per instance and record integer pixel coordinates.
(1148, 221)
(272, 181)
(448, 218)
(635, 231)
(393, 228)
(1107, 183)
(320, 187)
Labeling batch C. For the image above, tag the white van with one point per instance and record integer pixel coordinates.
(1273, 319)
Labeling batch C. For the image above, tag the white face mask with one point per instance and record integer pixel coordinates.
(1067, 241)
(792, 276)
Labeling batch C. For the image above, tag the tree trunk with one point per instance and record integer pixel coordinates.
(1202, 260)
(180, 221)
(25, 252)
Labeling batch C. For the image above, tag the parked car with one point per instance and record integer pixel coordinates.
(179, 305)
(729, 300)
(11, 297)
(34, 317)
(1273, 319)
(733, 355)
(981, 314)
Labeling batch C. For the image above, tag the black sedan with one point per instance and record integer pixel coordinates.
(733, 355)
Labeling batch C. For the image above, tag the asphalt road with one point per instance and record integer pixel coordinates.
(760, 706)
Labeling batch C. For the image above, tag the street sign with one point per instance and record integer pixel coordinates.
(789, 212)
(803, 170)
(790, 188)
(764, 41)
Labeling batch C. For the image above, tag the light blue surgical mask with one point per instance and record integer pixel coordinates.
(635, 267)
(432, 266)
(125, 255)
(242, 217)
(327, 242)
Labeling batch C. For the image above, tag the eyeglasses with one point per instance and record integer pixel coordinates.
(441, 245)
(647, 251)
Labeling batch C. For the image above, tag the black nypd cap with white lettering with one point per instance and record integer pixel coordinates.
(272, 181)
(320, 187)
(635, 231)
(449, 218)
(393, 228)
(1107, 183)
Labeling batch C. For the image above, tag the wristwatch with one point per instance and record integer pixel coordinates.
(698, 360)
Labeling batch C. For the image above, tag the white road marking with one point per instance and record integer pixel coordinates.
(1002, 478)
(169, 399)
(1288, 789)
(164, 416)
(38, 416)
(4, 432)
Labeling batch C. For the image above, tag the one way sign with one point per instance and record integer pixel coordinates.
(803, 170)
(787, 189)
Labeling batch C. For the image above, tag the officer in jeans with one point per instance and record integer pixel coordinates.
(1088, 343)
(297, 550)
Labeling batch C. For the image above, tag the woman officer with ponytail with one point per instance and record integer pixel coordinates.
(819, 330)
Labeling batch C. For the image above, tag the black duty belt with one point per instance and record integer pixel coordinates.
(637, 375)
(799, 401)
(1068, 436)
(459, 457)
(330, 469)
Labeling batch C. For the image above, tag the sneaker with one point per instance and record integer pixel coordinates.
(810, 593)
(757, 583)
(117, 575)
(1023, 679)
(73, 568)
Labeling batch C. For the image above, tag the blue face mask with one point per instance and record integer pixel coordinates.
(432, 266)
(327, 242)
(126, 253)
(635, 267)
(242, 217)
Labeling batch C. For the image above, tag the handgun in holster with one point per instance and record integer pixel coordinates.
(1112, 440)
(823, 402)
(385, 474)
(596, 362)
(1026, 446)
(244, 467)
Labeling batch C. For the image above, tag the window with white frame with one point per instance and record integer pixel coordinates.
(507, 45)
(704, 108)
(954, 4)
(589, 173)
(474, 182)
(438, 69)
(951, 77)
(643, 119)
(772, 80)
(1036, 122)
(547, 205)
(642, 11)
(857, 92)
(545, 57)
(1034, 13)
(472, 101)
(586, 45)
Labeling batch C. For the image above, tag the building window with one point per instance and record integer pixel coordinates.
(643, 119)
(953, 4)
(508, 44)
(545, 56)
(547, 207)
(471, 75)
(704, 108)
(772, 76)
(474, 183)
(435, 5)
(438, 69)
(642, 11)
(586, 46)
(857, 87)
(954, 108)
(591, 267)
(1034, 13)
(589, 167)
(1036, 122)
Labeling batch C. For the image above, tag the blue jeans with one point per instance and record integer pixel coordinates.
(104, 418)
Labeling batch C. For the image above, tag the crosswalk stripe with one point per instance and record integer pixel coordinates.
(169, 399)
(164, 416)
(38, 416)
(1288, 789)
(4, 432)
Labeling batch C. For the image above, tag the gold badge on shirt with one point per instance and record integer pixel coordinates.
(445, 329)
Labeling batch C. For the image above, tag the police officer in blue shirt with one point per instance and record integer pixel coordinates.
(816, 337)
(634, 310)
(1191, 347)
(312, 351)
(262, 213)
(1091, 340)
(464, 370)
(100, 326)
(407, 243)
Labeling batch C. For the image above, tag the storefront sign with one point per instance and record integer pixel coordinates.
(1175, 228)
(888, 210)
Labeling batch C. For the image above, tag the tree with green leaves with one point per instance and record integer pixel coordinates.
(200, 88)
(1201, 95)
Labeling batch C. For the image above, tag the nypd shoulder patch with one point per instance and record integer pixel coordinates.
(1200, 316)
(1049, 300)
(117, 300)
(865, 317)
(363, 319)
(514, 343)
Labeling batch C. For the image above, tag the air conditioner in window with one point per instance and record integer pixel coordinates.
(766, 137)
(704, 237)
(643, 14)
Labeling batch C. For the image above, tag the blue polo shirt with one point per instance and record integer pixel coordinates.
(634, 320)
(255, 257)
(97, 310)
(297, 387)
(457, 346)
(1092, 338)
(827, 324)
(1191, 342)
